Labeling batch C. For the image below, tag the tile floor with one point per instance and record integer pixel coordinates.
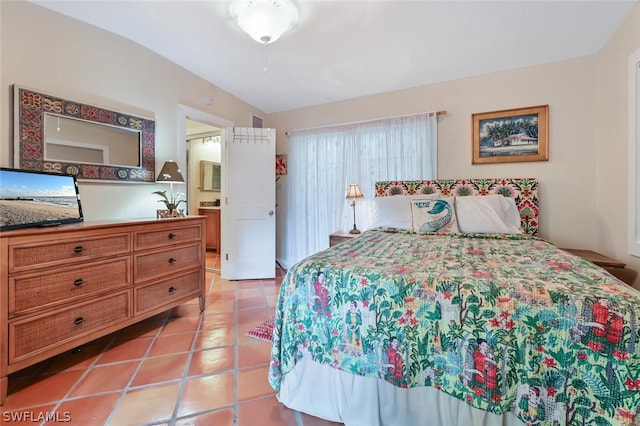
(178, 368)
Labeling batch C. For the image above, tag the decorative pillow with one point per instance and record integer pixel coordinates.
(436, 215)
(394, 211)
(488, 214)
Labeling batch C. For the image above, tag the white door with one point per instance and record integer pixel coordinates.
(248, 220)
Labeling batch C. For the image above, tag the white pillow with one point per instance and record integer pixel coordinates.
(436, 215)
(513, 215)
(394, 211)
(488, 214)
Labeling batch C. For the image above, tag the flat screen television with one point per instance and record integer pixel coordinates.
(30, 199)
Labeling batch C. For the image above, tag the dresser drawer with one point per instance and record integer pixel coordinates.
(160, 293)
(43, 290)
(162, 236)
(60, 252)
(160, 264)
(29, 337)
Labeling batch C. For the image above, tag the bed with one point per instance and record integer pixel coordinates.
(443, 326)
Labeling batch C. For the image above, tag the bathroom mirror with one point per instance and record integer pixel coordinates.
(210, 176)
(92, 143)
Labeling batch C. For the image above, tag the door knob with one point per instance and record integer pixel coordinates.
(270, 212)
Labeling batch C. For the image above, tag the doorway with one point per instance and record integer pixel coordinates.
(247, 195)
(204, 159)
(200, 138)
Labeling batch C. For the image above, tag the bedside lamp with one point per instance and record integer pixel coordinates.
(352, 194)
(170, 173)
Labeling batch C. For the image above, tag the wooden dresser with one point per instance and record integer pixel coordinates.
(65, 286)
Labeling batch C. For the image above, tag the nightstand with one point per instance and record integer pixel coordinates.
(597, 258)
(340, 236)
(613, 266)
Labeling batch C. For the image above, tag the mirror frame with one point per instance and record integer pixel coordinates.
(29, 109)
(213, 164)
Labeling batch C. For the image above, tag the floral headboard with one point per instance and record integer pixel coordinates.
(523, 190)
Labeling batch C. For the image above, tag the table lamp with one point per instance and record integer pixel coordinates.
(352, 194)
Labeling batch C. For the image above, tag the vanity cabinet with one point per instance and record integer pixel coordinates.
(68, 285)
(213, 228)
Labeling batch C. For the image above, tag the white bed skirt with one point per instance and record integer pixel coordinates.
(334, 395)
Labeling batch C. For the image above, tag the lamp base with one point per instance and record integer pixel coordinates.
(354, 231)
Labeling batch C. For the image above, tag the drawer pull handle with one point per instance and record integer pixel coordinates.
(78, 320)
(171, 236)
(78, 282)
(78, 249)
(172, 260)
(172, 289)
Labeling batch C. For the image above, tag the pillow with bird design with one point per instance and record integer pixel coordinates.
(395, 211)
(434, 216)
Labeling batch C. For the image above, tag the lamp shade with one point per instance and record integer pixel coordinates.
(170, 173)
(265, 20)
(354, 191)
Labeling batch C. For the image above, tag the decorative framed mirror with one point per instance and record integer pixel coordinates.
(57, 135)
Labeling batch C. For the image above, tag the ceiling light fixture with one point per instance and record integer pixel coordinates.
(212, 139)
(265, 20)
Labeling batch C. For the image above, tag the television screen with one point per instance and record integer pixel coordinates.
(30, 198)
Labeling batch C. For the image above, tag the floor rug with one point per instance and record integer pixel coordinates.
(262, 331)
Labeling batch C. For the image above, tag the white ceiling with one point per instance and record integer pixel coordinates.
(346, 49)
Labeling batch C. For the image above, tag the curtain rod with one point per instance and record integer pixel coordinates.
(431, 113)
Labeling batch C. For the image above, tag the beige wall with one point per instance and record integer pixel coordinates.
(52, 53)
(566, 180)
(612, 133)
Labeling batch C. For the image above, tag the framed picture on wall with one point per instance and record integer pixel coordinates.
(511, 135)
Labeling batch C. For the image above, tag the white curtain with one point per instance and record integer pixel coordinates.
(323, 162)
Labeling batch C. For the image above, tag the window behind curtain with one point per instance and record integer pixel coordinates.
(324, 161)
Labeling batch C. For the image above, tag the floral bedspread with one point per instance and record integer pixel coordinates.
(502, 322)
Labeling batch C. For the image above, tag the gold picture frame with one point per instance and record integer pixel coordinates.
(511, 135)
